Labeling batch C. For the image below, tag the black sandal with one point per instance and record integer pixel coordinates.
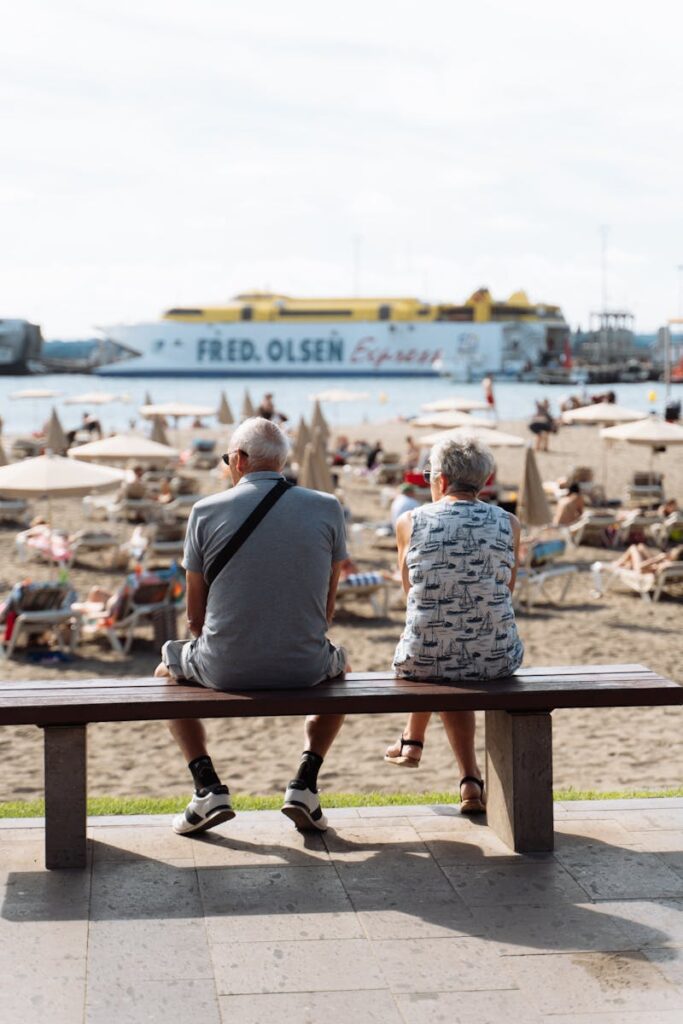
(404, 760)
(473, 805)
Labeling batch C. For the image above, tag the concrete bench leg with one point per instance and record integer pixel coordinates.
(519, 779)
(65, 796)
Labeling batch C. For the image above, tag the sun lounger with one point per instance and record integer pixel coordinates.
(151, 602)
(540, 566)
(669, 530)
(633, 527)
(645, 489)
(594, 525)
(376, 591)
(35, 609)
(13, 509)
(53, 546)
(650, 585)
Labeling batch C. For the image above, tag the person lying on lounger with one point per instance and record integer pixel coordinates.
(643, 559)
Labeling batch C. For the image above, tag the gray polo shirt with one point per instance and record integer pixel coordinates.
(265, 623)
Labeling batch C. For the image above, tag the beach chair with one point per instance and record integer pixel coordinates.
(152, 600)
(26, 448)
(597, 526)
(367, 586)
(669, 530)
(13, 509)
(37, 609)
(53, 546)
(650, 585)
(645, 489)
(167, 540)
(96, 541)
(541, 565)
(634, 526)
(203, 453)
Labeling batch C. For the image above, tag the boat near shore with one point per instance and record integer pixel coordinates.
(270, 335)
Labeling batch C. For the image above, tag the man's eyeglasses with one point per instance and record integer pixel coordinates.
(235, 451)
(427, 472)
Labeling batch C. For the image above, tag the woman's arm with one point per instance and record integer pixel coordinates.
(516, 534)
(404, 526)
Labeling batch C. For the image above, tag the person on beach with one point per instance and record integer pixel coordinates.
(542, 425)
(267, 410)
(262, 621)
(570, 508)
(641, 558)
(458, 558)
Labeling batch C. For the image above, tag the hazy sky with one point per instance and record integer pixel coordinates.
(160, 153)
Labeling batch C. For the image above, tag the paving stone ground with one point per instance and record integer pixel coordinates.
(397, 915)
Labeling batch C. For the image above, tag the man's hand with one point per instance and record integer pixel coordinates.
(197, 593)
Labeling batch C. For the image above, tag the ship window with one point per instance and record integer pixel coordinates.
(384, 313)
(247, 313)
(185, 312)
(314, 312)
(424, 311)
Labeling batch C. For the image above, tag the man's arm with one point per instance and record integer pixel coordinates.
(404, 528)
(332, 591)
(197, 593)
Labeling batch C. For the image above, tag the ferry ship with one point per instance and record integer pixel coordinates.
(269, 335)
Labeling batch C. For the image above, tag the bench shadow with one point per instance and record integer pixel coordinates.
(448, 887)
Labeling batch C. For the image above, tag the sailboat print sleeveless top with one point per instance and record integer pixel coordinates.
(459, 621)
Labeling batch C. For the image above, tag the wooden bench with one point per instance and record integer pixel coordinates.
(518, 730)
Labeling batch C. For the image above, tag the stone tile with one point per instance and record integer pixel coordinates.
(668, 845)
(632, 820)
(357, 843)
(46, 895)
(59, 948)
(592, 983)
(258, 904)
(646, 1017)
(647, 922)
(403, 811)
(411, 918)
(449, 823)
(365, 881)
(146, 889)
(636, 804)
(126, 951)
(518, 930)
(670, 963)
(330, 964)
(440, 965)
(502, 1007)
(139, 844)
(514, 881)
(473, 847)
(610, 873)
(154, 1002)
(259, 848)
(339, 827)
(368, 1007)
(591, 831)
(668, 819)
(55, 1000)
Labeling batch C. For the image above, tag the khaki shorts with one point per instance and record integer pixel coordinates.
(177, 657)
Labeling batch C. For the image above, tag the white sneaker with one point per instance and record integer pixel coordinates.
(204, 812)
(302, 806)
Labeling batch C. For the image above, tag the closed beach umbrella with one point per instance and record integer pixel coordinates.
(55, 438)
(306, 476)
(124, 448)
(225, 415)
(447, 420)
(319, 422)
(488, 436)
(53, 475)
(454, 404)
(148, 398)
(303, 437)
(602, 413)
(247, 406)
(159, 431)
(3, 457)
(322, 470)
(532, 505)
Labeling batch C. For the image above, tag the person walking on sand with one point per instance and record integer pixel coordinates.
(458, 558)
(259, 612)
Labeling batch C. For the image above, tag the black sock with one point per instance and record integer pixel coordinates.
(309, 766)
(204, 774)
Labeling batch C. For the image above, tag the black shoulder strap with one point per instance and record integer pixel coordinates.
(248, 526)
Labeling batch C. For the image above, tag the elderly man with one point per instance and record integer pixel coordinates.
(258, 611)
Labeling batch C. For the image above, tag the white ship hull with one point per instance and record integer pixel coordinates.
(464, 351)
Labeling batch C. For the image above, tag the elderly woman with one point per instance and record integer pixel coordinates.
(458, 558)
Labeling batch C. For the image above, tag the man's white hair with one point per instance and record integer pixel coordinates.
(262, 442)
(467, 463)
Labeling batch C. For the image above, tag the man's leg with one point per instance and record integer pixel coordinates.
(302, 804)
(460, 728)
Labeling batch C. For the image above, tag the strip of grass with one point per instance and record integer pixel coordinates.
(104, 805)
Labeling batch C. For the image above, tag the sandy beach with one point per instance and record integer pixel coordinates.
(600, 750)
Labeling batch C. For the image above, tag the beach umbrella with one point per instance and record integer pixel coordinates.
(340, 395)
(303, 436)
(53, 475)
(176, 410)
(322, 472)
(55, 438)
(447, 420)
(652, 432)
(602, 413)
(158, 431)
(225, 415)
(3, 457)
(488, 436)
(92, 398)
(532, 505)
(33, 393)
(2, 423)
(148, 398)
(454, 404)
(306, 476)
(247, 406)
(318, 421)
(124, 448)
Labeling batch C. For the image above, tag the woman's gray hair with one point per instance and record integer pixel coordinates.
(466, 463)
(262, 442)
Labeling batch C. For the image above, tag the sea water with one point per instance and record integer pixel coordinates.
(377, 399)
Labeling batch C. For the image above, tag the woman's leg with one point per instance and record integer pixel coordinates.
(415, 729)
(460, 728)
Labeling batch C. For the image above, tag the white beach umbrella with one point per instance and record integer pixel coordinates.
(124, 448)
(52, 475)
(159, 431)
(247, 406)
(652, 431)
(55, 438)
(602, 413)
(454, 404)
(340, 395)
(488, 436)
(225, 415)
(93, 398)
(177, 410)
(33, 393)
(448, 420)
